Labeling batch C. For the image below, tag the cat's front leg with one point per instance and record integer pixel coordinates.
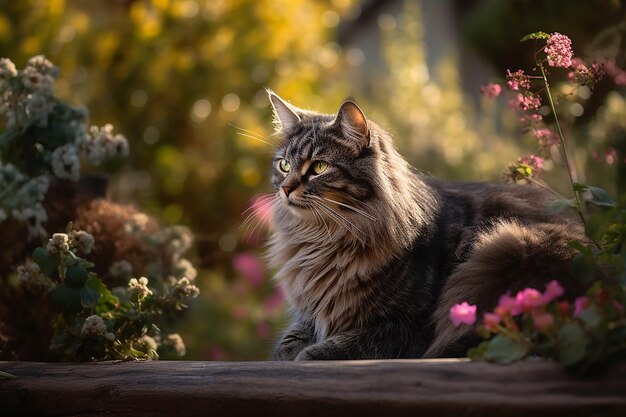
(343, 346)
(297, 338)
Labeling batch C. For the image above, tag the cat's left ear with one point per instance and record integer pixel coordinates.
(352, 122)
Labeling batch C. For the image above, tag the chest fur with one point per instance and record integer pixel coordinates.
(328, 285)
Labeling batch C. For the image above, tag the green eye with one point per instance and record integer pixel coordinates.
(319, 167)
(284, 166)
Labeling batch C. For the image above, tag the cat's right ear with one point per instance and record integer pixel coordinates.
(285, 115)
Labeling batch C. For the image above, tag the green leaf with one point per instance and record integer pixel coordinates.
(571, 344)
(107, 300)
(49, 264)
(560, 205)
(6, 375)
(75, 276)
(89, 297)
(504, 350)
(535, 35)
(600, 197)
(583, 268)
(478, 353)
(580, 188)
(66, 298)
(581, 247)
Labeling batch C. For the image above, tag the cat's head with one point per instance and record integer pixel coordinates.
(327, 168)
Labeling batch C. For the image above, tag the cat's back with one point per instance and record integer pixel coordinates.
(472, 203)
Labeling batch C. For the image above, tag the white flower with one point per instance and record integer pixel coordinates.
(37, 107)
(82, 241)
(175, 342)
(65, 162)
(147, 343)
(184, 268)
(41, 64)
(7, 69)
(139, 287)
(58, 244)
(93, 326)
(36, 81)
(116, 146)
(184, 289)
(137, 223)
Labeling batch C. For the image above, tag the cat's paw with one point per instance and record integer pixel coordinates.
(289, 348)
(315, 353)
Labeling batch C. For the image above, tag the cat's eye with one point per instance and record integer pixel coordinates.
(284, 166)
(319, 167)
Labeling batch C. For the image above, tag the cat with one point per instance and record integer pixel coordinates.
(371, 254)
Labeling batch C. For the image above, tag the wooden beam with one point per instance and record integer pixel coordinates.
(343, 388)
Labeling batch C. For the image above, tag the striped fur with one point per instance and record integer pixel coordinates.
(371, 255)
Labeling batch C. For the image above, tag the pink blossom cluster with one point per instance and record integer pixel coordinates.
(559, 50)
(491, 90)
(587, 75)
(526, 101)
(516, 80)
(546, 137)
(618, 74)
(529, 301)
(529, 122)
(527, 167)
(610, 155)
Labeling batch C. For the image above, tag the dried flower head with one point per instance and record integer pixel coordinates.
(66, 162)
(93, 326)
(81, 241)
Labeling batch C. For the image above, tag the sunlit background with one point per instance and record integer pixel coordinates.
(185, 81)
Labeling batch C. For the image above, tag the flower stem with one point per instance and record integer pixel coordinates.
(570, 168)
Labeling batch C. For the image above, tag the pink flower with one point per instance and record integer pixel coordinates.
(618, 306)
(529, 121)
(507, 305)
(516, 80)
(491, 320)
(542, 320)
(463, 313)
(525, 101)
(529, 299)
(586, 75)
(491, 90)
(559, 50)
(546, 137)
(553, 291)
(250, 267)
(580, 304)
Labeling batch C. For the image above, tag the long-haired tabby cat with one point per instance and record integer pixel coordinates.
(371, 255)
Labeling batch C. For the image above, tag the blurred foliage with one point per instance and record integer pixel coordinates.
(183, 79)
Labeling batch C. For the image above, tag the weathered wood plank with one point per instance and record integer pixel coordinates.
(370, 388)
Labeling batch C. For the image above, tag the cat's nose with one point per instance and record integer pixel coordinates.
(287, 189)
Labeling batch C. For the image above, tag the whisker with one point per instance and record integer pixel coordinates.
(364, 213)
(254, 137)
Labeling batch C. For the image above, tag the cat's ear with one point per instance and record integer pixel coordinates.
(285, 115)
(352, 122)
